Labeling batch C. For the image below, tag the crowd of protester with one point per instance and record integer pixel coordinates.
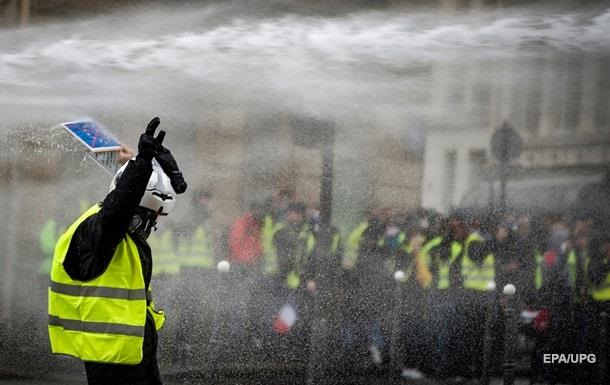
(414, 292)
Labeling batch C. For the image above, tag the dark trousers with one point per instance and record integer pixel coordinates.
(445, 321)
(472, 315)
(410, 334)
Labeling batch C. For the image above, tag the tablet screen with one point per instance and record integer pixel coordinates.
(93, 135)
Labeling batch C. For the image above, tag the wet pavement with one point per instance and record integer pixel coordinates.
(264, 379)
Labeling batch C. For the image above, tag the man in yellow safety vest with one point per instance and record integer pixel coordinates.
(100, 303)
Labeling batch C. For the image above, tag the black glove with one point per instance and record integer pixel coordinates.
(149, 147)
(170, 167)
(148, 144)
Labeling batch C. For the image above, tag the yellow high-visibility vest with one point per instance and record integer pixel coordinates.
(48, 239)
(269, 229)
(307, 238)
(101, 320)
(166, 259)
(477, 277)
(352, 246)
(572, 268)
(196, 251)
(539, 266)
(443, 266)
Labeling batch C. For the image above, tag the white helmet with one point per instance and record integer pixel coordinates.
(159, 195)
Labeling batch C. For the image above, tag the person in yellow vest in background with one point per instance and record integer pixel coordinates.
(555, 296)
(166, 265)
(349, 280)
(193, 253)
(165, 274)
(527, 251)
(248, 295)
(391, 249)
(323, 268)
(583, 323)
(273, 220)
(323, 282)
(270, 226)
(194, 244)
(352, 244)
(295, 243)
(50, 230)
(477, 268)
(598, 338)
(363, 274)
(373, 270)
(442, 256)
(100, 303)
(49, 233)
(579, 260)
(409, 335)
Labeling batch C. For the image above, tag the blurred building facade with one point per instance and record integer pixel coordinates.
(559, 105)
(560, 108)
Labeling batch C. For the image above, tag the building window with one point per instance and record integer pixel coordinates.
(477, 160)
(482, 101)
(449, 182)
(573, 68)
(533, 107)
(602, 97)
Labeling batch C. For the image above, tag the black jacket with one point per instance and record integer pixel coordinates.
(96, 238)
(291, 251)
(91, 250)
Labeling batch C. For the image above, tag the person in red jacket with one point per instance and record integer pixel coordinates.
(245, 247)
(245, 254)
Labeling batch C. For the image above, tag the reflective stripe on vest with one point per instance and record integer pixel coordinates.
(96, 327)
(97, 291)
(268, 232)
(477, 277)
(539, 266)
(101, 320)
(573, 267)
